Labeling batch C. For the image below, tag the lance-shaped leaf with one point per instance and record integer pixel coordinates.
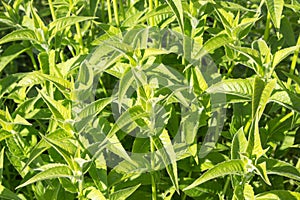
(52, 171)
(7, 194)
(165, 148)
(24, 34)
(278, 195)
(239, 144)
(281, 168)
(275, 8)
(123, 193)
(232, 167)
(176, 7)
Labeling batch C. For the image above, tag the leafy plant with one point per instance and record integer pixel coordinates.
(149, 99)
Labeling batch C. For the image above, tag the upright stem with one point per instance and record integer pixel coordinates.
(153, 184)
(116, 12)
(268, 26)
(151, 19)
(293, 64)
(109, 11)
(52, 10)
(29, 52)
(102, 10)
(122, 9)
(80, 41)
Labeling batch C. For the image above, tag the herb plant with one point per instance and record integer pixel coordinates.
(149, 99)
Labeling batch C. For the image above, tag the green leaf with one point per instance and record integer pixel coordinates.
(282, 54)
(7, 194)
(232, 167)
(281, 168)
(286, 99)
(275, 8)
(124, 193)
(62, 23)
(129, 116)
(262, 172)
(216, 42)
(95, 107)
(42, 146)
(165, 148)
(278, 195)
(8, 83)
(261, 95)
(10, 54)
(51, 171)
(94, 194)
(176, 7)
(239, 144)
(25, 34)
(254, 147)
(1, 164)
(59, 111)
(237, 87)
(248, 192)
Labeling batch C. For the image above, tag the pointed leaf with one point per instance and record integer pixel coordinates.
(25, 34)
(278, 195)
(239, 144)
(62, 23)
(275, 8)
(56, 171)
(7, 194)
(164, 146)
(124, 193)
(10, 54)
(232, 167)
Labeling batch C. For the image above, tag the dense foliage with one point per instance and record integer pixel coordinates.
(149, 99)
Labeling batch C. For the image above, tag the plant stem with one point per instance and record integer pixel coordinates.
(226, 185)
(52, 10)
(153, 184)
(78, 30)
(116, 12)
(29, 52)
(151, 20)
(189, 176)
(293, 64)
(268, 26)
(109, 11)
(102, 10)
(122, 9)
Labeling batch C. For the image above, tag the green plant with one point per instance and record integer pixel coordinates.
(149, 99)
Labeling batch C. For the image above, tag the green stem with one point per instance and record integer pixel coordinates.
(80, 41)
(268, 26)
(293, 64)
(109, 11)
(102, 10)
(151, 19)
(153, 184)
(32, 60)
(226, 185)
(122, 9)
(230, 69)
(52, 10)
(116, 12)
(189, 176)
(104, 89)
